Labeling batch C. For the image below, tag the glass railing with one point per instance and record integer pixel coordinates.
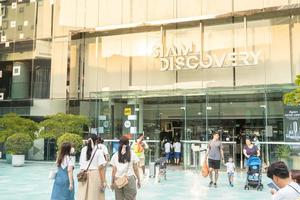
(288, 152)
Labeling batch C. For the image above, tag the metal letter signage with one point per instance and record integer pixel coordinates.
(181, 57)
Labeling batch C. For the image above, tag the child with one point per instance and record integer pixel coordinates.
(230, 171)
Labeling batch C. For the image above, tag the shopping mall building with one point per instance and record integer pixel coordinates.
(168, 68)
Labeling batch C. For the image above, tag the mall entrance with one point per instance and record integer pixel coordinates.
(192, 117)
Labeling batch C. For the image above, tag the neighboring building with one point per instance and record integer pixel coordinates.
(170, 68)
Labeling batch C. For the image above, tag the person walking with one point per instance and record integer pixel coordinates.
(168, 147)
(139, 147)
(125, 173)
(92, 160)
(177, 151)
(63, 188)
(250, 150)
(214, 155)
(230, 171)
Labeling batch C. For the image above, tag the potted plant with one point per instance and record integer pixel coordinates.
(18, 145)
(11, 124)
(283, 153)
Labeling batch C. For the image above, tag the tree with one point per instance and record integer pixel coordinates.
(57, 125)
(11, 124)
(293, 98)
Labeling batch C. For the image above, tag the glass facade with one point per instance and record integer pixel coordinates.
(168, 68)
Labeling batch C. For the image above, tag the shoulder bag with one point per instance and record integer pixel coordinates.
(123, 180)
(82, 175)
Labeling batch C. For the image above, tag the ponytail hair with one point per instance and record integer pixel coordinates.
(92, 139)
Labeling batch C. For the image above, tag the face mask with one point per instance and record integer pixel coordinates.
(72, 150)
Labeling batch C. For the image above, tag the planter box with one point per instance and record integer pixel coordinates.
(8, 158)
(18, 160)
(296, 162)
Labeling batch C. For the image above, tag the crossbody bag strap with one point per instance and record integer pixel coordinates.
(91, 159)
(294, 189)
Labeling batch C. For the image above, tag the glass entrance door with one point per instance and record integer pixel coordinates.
(192, 116)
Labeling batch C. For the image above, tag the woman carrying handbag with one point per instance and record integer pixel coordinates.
(91, 179)
(63, 188)
(125, 172)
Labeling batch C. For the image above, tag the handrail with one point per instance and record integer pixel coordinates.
(206, 142)
(203, 142)
(284, 143)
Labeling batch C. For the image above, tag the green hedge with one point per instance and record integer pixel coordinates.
(74, 139)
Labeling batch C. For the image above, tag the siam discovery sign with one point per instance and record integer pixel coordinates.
(181, 57)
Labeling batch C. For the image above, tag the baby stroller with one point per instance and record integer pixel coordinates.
(161, 164)
(254, 176)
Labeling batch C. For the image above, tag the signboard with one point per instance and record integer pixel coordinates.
(291, 124)
(183, 57)
(127, 111)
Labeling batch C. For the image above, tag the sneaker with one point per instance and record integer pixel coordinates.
(231, 185)
(210, 184)
(215, 185)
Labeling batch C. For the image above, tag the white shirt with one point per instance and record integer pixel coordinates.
(97, 161)
(68, 161)
(289, 192)
(168, 147)
(230, 167)
(177, 147)
(123, 167)
(103, 148)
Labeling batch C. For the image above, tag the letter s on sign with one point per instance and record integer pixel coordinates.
(156, 51)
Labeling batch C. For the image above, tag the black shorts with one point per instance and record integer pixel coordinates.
(215, 164)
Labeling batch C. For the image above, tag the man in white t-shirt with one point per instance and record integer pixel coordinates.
(168, 147)
(177, 151)
(288, 189)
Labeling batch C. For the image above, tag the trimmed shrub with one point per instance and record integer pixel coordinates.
(74, 139)
(18, 144)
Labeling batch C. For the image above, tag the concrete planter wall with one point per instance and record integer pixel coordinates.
(18, 160)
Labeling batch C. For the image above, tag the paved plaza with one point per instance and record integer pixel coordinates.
(31, 182)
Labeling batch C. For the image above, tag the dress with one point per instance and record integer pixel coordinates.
(60, 189)
(90, 189)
